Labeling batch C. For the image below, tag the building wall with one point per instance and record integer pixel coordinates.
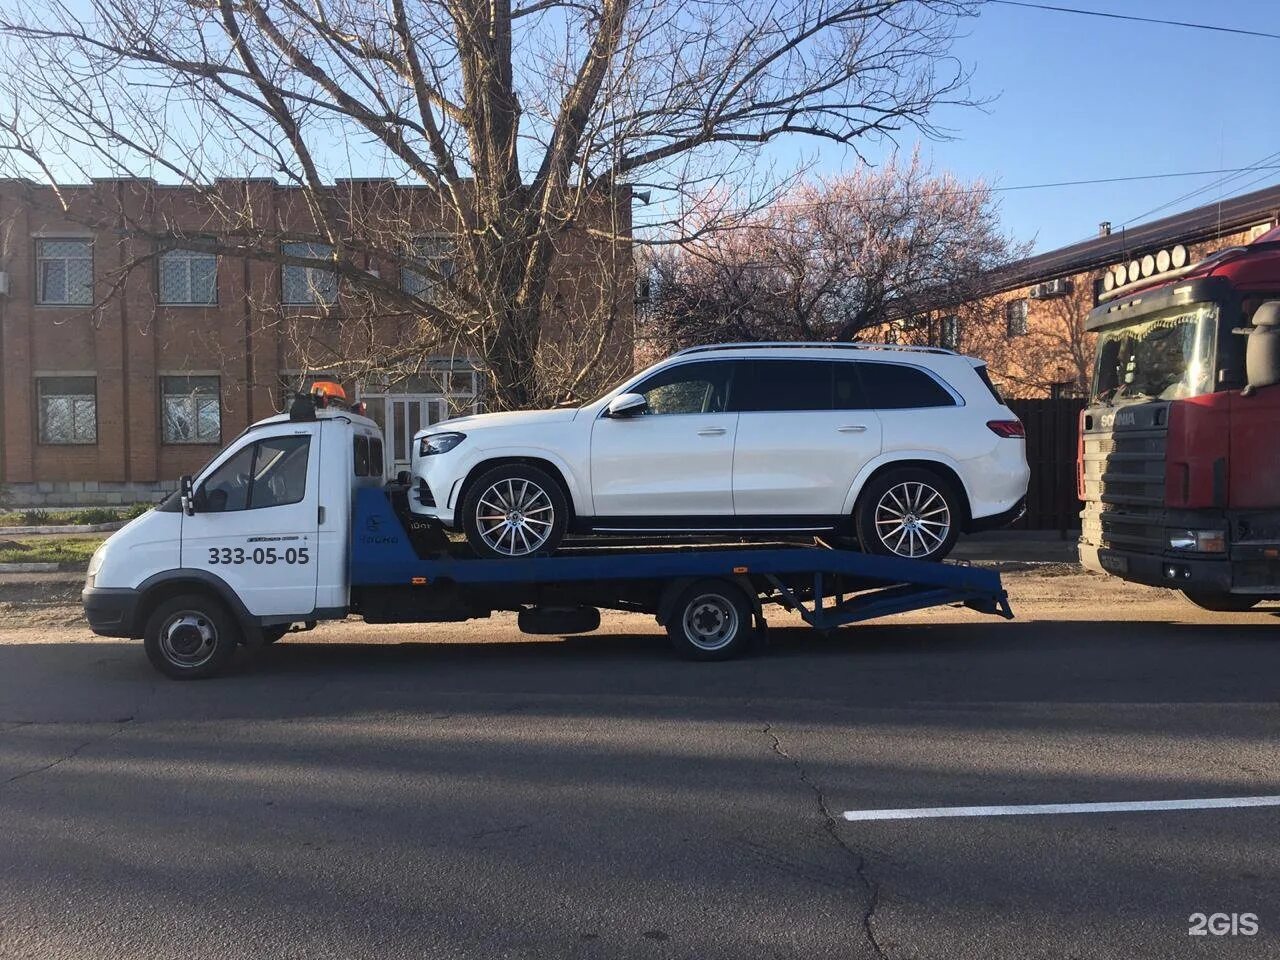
(130, 340)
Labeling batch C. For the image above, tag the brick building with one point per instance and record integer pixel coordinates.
(1029, 325)
(127, 364)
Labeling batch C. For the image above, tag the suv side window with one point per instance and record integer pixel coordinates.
(896, 386)
(779, 385)
(269, 473)
(687, 388)
(846, 386)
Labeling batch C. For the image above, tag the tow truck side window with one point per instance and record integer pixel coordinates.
(269, 473)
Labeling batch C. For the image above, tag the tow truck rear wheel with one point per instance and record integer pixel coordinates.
(1221, 602)
(711, 620)
(190, 637)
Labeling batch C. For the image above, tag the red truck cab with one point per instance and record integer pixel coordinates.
(1179, 456)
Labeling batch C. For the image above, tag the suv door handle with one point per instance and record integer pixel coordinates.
(853, 428)
(711, 432)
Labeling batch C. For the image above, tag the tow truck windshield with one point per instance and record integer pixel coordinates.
(1167, 356)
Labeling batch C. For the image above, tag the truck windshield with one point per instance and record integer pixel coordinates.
(1167, 356)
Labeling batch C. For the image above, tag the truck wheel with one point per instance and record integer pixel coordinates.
(1221, 602)
(909, 512)
(515, 510)
(711, 621)
(190, 637)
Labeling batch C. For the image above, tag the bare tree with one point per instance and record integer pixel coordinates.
(524, 127)
(873, 250)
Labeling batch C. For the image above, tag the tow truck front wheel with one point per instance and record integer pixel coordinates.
(711, 621)
(190, 637)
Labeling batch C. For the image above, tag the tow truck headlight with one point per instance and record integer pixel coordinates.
(1201, 541)
(435, 443)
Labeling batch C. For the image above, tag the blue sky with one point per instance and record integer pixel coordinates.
(1082, 97)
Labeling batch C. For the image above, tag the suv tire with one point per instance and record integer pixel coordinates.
(515, 510)
(909, 512)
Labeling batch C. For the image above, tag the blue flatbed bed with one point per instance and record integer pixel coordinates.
(391, 578)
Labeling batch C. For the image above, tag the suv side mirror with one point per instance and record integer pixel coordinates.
(626, 405)
(186, 485)
(1262, 352)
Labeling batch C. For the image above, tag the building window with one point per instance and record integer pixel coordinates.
(302, 285)
(188, 277)
(190, 409)
(436, 251)
(64, 271)
(949, 332)
(1015, 318)
(68, 409)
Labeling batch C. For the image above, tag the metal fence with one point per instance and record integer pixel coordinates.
(1052, 430)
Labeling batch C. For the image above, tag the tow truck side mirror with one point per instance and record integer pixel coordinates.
(188, 495)
(1262, 352)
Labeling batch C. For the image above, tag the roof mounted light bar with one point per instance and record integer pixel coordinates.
(826, 344)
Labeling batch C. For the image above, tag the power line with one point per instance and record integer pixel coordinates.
(965, 191)
(1124, 16)
(1266, 163)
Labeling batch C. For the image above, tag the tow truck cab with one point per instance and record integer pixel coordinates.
(264, 526)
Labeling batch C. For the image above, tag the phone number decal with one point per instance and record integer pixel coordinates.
(260, 555)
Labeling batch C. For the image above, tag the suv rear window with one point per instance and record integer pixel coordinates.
(981, 371)
(895, 386)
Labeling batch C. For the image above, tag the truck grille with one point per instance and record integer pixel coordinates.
(1124, 473)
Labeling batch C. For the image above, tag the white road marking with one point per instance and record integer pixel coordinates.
(1032, 809)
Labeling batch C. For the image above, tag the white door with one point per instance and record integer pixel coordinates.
(256, 521)
(803, 434)
(405, 416)
(676, 458)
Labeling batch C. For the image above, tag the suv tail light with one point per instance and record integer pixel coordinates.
(1008, 429)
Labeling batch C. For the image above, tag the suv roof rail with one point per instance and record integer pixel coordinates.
(825, 344)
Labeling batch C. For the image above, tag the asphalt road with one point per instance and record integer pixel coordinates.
(460, 791)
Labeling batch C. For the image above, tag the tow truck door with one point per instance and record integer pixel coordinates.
(256, 521)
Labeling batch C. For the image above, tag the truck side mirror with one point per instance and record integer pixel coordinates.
(1262, 352)
(186, 484)
(626, 405)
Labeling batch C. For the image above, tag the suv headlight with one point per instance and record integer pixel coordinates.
(1201, 541)
(434, 443)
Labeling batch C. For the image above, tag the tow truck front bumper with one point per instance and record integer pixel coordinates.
(111, 611)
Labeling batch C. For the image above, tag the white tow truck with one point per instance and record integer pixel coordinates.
(293, 523)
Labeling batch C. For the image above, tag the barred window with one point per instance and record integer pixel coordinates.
(188, 277)
(436, 251)
(64, 271)
(949, 333)
(1015, 315)
(190, 410)
(307, 284)
(68, 409)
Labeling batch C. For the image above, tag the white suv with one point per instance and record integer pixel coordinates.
(901, 447)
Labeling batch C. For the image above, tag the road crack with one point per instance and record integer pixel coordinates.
(831, 823)
(121, 725)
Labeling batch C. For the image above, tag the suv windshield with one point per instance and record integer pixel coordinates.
(1168, 356)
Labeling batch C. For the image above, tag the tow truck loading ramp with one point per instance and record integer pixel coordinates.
(392, 581)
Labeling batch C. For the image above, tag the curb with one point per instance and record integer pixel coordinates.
(30, 567)
(65, 528)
